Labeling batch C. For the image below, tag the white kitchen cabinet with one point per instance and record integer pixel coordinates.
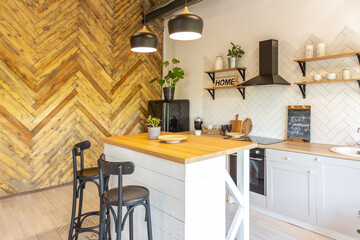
(292, 190)
(338, 195)
(314, 189)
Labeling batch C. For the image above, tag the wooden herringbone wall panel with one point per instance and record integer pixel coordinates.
(66, 75)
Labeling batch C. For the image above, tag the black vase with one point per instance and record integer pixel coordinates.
(169, 93)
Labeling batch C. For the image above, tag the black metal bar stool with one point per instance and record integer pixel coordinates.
(128, 196)
(81, 177)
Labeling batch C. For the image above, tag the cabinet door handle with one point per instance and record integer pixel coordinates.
(287, 158)
(310, 172)
(317, 159)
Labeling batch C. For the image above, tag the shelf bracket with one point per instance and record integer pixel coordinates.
(302, 67)
(212, 76)
(212, 93)
(358, 82)
(303, 89)
(358, 55)
(242, 92)
(242, 73)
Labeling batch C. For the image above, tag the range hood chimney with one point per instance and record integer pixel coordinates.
(268, 65)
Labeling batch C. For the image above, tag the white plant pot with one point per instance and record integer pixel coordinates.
(153, 132)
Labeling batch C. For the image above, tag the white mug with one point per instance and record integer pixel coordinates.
(346, 73)
(331, 76)
(198, 132)
(317, 77)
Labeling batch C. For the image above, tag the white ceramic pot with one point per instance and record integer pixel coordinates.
(309, 51)
(320, 51)
(331, 76)
(153, 132)
(219, 63)
(317, 77)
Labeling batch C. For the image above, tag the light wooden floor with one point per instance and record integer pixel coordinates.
(45, 216)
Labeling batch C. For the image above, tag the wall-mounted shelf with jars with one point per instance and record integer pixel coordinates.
(212, 74)
(302, 65)
(302, 62)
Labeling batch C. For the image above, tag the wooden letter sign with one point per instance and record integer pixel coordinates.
(225, 81)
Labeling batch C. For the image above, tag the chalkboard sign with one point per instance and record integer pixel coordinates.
(298, 123)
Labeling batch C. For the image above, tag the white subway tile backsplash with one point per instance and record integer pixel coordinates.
(335, 106)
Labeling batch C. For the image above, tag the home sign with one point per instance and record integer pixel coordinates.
(225, 81)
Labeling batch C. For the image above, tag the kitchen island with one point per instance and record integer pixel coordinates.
(187, 185)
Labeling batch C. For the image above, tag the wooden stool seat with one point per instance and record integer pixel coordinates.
(131, 195)
(88, 173)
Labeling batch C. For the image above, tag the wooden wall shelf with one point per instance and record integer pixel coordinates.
(212, 90)
(302, 85)
(302, 62)
(211, 74)
(241, 70)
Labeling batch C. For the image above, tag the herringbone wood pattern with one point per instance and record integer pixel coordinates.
(67, 74)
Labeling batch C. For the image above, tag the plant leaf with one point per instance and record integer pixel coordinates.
(175, 61)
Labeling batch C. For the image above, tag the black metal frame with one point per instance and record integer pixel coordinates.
(303, 89)
(212, 93)
(106, 210)
(241, 90)
(302, 66)
(167, 10)
(79, 184)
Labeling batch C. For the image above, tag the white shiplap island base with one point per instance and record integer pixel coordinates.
(186, 183)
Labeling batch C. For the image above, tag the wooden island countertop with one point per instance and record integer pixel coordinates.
(193, 149)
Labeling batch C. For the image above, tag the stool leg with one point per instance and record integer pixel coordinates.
(102, 230)
(148, 219)
(72, 222)
(78, 224)
(108, 222)
(131, 224)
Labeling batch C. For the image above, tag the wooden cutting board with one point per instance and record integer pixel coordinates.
(236, 124)
(247, 126)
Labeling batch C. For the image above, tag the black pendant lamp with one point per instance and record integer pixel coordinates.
(185, 26)
(144, 41)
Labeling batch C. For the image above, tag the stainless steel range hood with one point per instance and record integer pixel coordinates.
(268, 66)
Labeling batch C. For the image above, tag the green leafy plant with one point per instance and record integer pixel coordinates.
(235, 51)
(153, 121)
(173, 75)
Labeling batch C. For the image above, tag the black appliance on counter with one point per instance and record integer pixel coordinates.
(257, 163)
(174, 114)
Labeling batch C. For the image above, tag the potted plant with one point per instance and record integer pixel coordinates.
(234, 53)
(153, 127)
(168, 82)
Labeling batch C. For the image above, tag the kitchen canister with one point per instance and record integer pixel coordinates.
(309, 51)
(320, 50)
(219, 63)
(346, 73)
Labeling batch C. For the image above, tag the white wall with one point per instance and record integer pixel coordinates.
(335, 106)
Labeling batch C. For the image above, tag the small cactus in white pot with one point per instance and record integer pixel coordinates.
(153, 127)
